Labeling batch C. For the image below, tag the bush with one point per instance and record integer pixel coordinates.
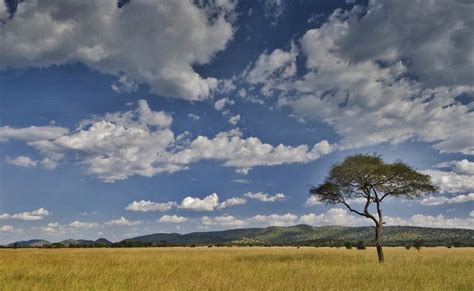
(408, 247)
(360, 245)
(418, 243)
(348, 245)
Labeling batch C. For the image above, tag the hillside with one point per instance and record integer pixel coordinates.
(308, 235)
(279, 235)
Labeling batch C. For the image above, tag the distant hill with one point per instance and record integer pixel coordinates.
(29, 243)
(308, 235)
(279, 235)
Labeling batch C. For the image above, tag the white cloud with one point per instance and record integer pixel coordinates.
(124, 85)
(7, 228)
(241, 181)
(451, 182)
(265, 197)
(119, 145)
(172, 219)
(194, 116)
(271, 69)
(433, 221)
(225, 220)
(37, 214)
(27, 162)
(145, 206)
(208, 203)
(471, 214)
(440, 54)
(338, 216)
(276, 219)
(83, 225)
(22, 161)
(440, 200)
(245, 154)
(122, 221)
(220, 104)
(48, 164)
(140, 142)
(232, 202)
(156, 118)
(52, 227)
(334, 216)
(158, 41)
(234, 119)
(32, 133)
(312, 201)
(464, 167)
(373, 100)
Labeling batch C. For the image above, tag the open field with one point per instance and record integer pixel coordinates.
(276, 268)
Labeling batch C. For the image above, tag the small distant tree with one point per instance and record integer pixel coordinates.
(348, 245)
(368, 177)
(360, 245)
(407, 247)
(418, 243)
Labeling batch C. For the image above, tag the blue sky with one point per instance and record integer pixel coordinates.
(180, 116)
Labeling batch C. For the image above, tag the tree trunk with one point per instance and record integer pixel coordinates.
(378, 230)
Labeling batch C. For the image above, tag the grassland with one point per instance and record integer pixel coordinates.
(273, 268)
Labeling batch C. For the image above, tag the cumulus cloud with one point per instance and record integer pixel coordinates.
(226, 220)
(451, 182)
(232, 202)
(32, 133)
(7, 228)
(22, 161)
(312, 201)
(141, 142)
(84, 225)
(234, 119)
(208, 203)
(27, 162)
(37, 214)
(220, 104)
(122, 221)
(146, 206)
(271, 69)
(464, 167)
(245, 154)
(124, 85)
(434, 36)
(172, 219)
(52, 227)
(276, 219)
(440, 200)
(265, 197)
(374, 99)
(433, 221)
(334, 216)
(164, 39)
(338, 216)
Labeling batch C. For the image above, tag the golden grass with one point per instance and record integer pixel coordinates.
(281, 268)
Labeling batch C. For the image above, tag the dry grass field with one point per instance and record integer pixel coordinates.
(274, 268)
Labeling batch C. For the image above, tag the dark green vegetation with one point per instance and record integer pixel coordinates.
(299, 235)
(369, 178)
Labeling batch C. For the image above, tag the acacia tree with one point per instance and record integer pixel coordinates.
(368, 177)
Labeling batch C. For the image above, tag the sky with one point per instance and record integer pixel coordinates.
(123, 118)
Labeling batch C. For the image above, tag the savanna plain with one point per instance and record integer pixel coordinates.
(236, 268)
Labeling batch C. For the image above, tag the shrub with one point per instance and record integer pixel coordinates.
(418, 243)
(348, 245)
(360, 245)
